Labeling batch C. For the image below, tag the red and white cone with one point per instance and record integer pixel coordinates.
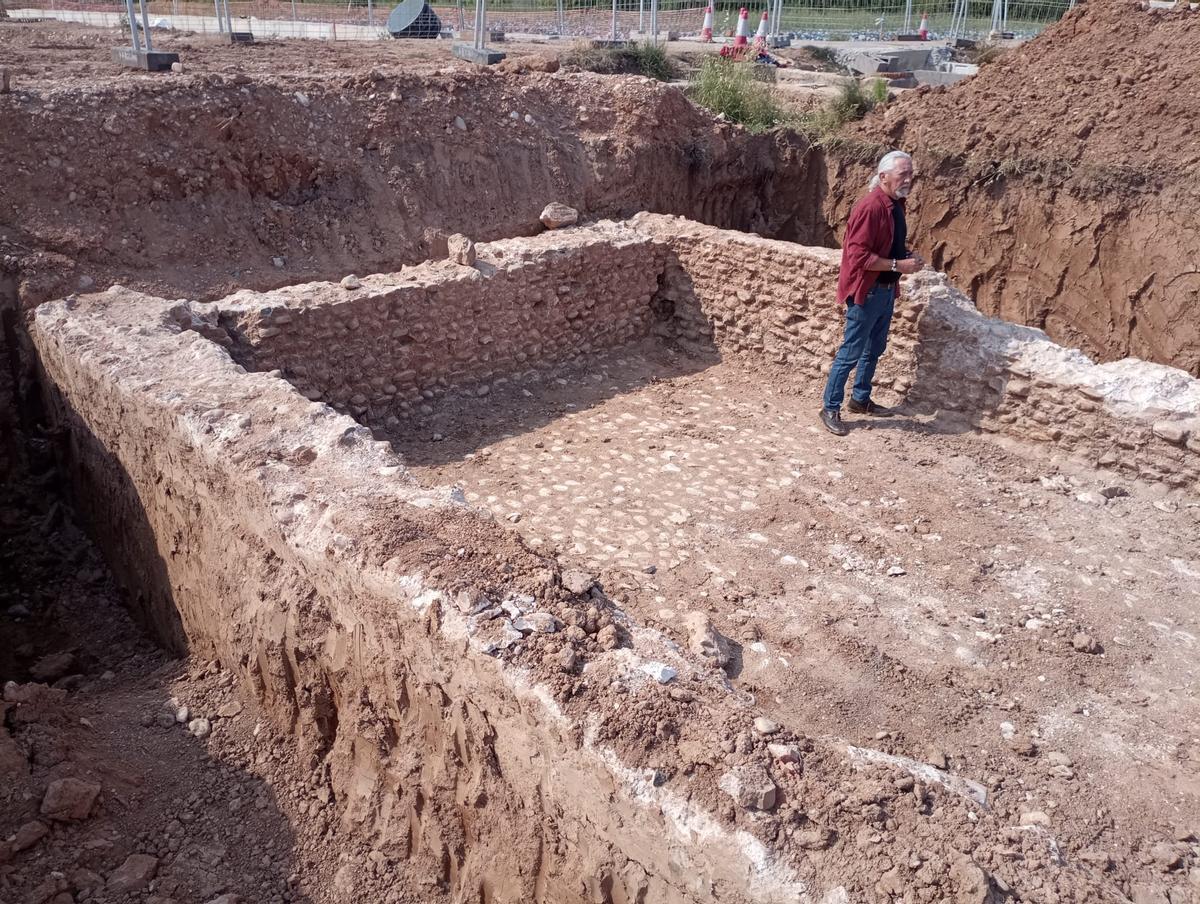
(706, 31)
(760, 37)
(923, 31)
(742, 38)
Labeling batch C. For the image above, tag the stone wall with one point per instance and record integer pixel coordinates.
(775, 301)
(766, 299)
(397, 340)
(268, 531)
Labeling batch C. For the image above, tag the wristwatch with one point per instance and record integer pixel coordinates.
(893, 265)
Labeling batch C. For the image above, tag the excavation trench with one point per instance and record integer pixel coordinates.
(373, 502)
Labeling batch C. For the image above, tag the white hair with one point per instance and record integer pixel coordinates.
(887, 163)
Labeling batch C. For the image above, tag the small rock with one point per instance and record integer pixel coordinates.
(460, 123)
(938, 760)
(1085, 643)
(351, 282)
(529, 120)
(69, 799)
(1092, 498)
(705, 640)
(789, 755)
(225, 899)
(177, 67)
(750, 785)
(200, 727)
(229, 710)
(1113, 492)
(1166, 856)
(165, 720)
(537, 622)
(277, 262)
(815, 838)
(971, 884)
(659, 671)
(1058, 758)
(568, 659)
(1170, 506)
(556, 215)
(896, 571)
(578, 582)
(132, 875)
(1035, 818)
(301, 98)
(50, 668)
(181, 715)
(608, 638)
(461, 250)
(29, 834)
(765, 726)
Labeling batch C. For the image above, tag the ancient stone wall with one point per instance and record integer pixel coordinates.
(775, 300)
(396, 340)
(372, 619)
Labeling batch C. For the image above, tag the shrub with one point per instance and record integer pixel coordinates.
(653, 62)
(851, 103)
(729, 88)
(647, 59)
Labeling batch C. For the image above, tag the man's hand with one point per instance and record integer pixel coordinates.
(909, 265)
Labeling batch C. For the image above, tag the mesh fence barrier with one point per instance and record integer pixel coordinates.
(365, 19)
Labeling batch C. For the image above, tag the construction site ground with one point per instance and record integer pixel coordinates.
(975, 604)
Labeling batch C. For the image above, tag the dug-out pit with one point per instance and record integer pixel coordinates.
(527, 548)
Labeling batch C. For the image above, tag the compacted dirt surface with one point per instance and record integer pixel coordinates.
(930, 595)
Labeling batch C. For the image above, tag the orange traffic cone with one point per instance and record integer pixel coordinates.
(760, 37)
(742, 38)
(923, 31)
(706, 31)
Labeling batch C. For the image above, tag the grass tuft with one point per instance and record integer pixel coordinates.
(729, 88)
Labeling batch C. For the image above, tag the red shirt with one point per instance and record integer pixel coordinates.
(868, 233)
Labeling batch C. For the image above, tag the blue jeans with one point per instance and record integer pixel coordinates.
(866, 337)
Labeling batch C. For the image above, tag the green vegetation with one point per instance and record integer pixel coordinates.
(646, 59)
(653, 62)
(852, 103)
(729, 88)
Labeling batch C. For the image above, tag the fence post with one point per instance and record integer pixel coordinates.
(137, 44)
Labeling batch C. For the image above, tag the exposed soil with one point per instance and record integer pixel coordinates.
(928, 594)
(1055, 185)
(277, 163)
(684, 484)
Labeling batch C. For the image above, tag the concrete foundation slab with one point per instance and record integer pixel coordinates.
(936, 77)
(151, 61)
(481, 56)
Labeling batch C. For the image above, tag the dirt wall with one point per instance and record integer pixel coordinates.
(1054, 190)
(209, 182)
(401, 339)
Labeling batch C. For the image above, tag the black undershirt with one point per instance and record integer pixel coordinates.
(899, 239)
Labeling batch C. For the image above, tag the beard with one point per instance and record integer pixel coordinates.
(903, 191)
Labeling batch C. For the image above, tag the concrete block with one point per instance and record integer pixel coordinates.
(480, 56)
(241, 37)
(933, 77)
(151, 61)
(647, 36)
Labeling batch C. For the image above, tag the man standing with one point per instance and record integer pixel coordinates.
(874, 257)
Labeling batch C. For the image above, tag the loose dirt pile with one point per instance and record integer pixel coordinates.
(1055, 184)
